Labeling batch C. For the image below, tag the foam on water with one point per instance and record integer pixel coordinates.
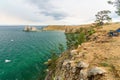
(11, 40)
(6, 61)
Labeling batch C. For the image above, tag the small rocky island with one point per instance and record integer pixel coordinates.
(29, 29)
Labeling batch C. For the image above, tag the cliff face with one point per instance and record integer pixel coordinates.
(97, 59)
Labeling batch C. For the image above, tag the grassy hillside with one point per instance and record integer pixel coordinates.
(64, 27)
(96, 59)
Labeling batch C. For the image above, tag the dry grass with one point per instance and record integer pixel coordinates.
(112, 26)
(103, 52)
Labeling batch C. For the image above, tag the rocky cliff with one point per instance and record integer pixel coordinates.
(96, 59)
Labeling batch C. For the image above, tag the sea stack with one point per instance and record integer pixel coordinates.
(28, 28)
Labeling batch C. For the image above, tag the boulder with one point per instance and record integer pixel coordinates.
(79, 46)
(83, 75)
(73, 69)
(66, 62)
(82, 65)
(73, 52)
(96, 71)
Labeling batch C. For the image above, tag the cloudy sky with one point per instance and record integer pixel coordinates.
(44, 12)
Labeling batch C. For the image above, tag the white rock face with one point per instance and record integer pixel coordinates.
(96, 71)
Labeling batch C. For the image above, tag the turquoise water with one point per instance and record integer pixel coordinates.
(22, 54)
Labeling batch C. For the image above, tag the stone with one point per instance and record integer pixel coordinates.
(66, 62)
(49, 60)
(72, 63)
(82, 65)
(73, 69)
(68, 66)
(83, 74)
(74, 52)
(96, 71)
(79, 46)
(47, 70)
(58, 78)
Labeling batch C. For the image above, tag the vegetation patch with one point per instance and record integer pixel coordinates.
(104, 64)
(80, 36)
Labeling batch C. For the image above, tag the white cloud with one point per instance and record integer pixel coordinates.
(6, 19)
(51, 11)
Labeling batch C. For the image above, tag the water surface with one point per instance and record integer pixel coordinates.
(22, 54)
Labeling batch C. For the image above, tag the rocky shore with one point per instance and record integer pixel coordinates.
(96, 59)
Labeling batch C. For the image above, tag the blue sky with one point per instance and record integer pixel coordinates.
(46, 12)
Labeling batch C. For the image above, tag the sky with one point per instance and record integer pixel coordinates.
(49, 12)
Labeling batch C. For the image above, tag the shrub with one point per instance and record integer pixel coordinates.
(104, 64)
(51, 63)
(82, 35)
(74, 39)
(61, 48)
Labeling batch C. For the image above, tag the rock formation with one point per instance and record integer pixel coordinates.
(28, 28)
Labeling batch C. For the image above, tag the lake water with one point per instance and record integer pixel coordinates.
(22, 54)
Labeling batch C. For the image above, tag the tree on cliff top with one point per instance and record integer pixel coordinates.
(102, 16)
(116, 3)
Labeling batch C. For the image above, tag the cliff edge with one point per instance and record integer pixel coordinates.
(96, 59)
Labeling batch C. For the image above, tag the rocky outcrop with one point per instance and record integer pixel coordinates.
(96, 73)
(72, 70)
(82, 65)
(28, 28)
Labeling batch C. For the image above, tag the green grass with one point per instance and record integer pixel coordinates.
(80, 36)
(104, 64)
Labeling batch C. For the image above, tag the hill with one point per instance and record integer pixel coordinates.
(66, 28)
(96, 59)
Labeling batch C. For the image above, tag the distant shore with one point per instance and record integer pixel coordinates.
(65, 28)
